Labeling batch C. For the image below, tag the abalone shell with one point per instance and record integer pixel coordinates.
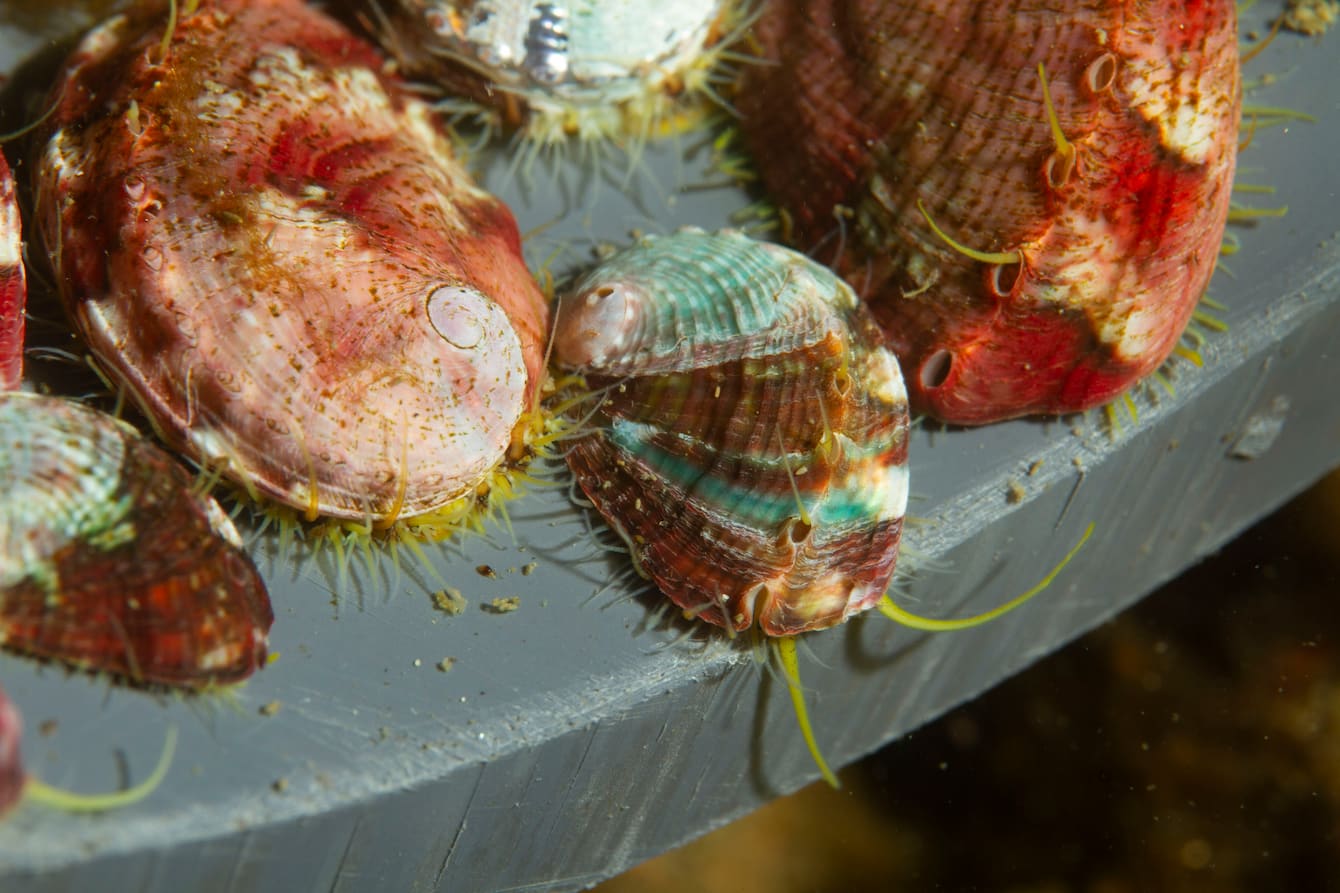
(266, 241)
(873, 111)
(111, 560)
(746, 433)
(594, 68)
(13, 285)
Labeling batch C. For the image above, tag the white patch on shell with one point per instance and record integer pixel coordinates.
(894, 485)
(1141, 326)
(220, 522)
(11, 245)
(884, 379)
(885, 487)
(1171, 98)
(1080, 278)
(64, 160)
(225, 656)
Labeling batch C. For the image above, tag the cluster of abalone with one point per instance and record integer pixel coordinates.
(267, 241)
(268, 244)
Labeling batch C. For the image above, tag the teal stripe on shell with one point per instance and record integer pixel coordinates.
(60, 473)
(725, 294)
(742, 390)
(857, 498)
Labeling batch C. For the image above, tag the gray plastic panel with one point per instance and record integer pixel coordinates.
(568, 742)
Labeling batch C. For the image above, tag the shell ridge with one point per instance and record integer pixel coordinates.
(769, 310)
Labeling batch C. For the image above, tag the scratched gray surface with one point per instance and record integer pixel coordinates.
(568, 742)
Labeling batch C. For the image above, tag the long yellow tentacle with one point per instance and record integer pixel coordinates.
(786, 655)
(889, 609)
(68, 801)
(986, 257)
(1063, 147)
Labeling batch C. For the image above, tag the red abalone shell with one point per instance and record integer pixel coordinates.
(111, 560)
(1106, 227)
(747, 430)
(265, 239)
(13, 286)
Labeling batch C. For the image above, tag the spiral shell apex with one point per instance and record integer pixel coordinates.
(1032, 197)
(749, 432)
(109, 559)
(266, 241)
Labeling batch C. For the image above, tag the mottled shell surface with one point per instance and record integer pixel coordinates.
(874, 108)
(13, 285)
(576, 65)
(747, 428)
(268, 243)
(111, 561)
(11, 760)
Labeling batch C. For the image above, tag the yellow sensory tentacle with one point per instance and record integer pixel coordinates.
(986, 257)
(786, 655)
(1063, 146)
(68, 801)
(891, 610)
